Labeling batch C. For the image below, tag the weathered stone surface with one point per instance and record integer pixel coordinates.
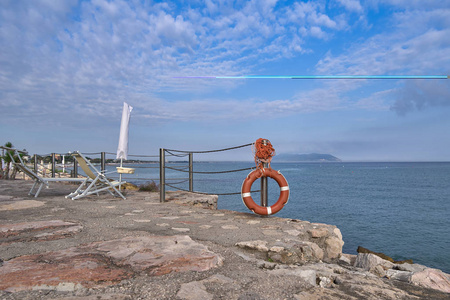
(248, 272)
(368, 261)
(37, 231)
(218, 278)
(318, 232)
(433, 279)
(187, 198)
(98, 297)
(104, 263)
(382, 255)
(286, 253)
(410, 267)
(230, 227)
(398, 275)
(348, 258)
(308, 276)
(254, 245)
(194, 291)
(333, 247)
(24, 204)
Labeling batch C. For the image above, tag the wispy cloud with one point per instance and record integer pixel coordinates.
(419, 44)
(68, 55)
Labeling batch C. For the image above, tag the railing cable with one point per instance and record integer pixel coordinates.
(209, 151)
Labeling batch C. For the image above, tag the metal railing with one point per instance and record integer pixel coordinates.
(163, 153)
(51, 164)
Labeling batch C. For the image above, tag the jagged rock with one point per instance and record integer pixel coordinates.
(368, 261)
(410, 267)
(187, 198)
(433, 279)
(254, 245)
(351, 257)
(318, 232)
(333, 247)
(324, 282)
(398, 275)
(383, 256)
(266, 265)
(104, 263)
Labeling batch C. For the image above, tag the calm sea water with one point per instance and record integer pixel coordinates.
(400, 209)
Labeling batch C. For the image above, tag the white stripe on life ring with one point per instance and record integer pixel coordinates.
(246, 195)
(284, 188)
(269, 210)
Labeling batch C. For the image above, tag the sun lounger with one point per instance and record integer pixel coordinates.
(39, 181)
(95, 182)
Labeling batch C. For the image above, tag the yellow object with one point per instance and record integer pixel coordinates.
(125, 170)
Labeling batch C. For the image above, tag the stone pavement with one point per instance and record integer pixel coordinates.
(101, 247)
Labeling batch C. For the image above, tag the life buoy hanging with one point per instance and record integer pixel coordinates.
(247, 185)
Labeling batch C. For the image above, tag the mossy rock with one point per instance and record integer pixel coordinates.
(130, 187)
(383, 256)
(379, 254)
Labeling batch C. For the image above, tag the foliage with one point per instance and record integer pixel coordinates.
(8, 159)
(149, 187)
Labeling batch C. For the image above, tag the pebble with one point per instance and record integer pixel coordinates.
(231, 227)
(251, 222)
(181, 229)
(205, 226)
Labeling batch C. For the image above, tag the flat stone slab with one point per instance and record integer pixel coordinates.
(104, 263)
(24, 204)
(37, 231)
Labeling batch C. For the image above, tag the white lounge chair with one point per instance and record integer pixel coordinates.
(39, 181)
(95, 182)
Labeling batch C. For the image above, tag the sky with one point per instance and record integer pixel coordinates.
(66, 67)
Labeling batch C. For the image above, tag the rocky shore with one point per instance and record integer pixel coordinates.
(101, 247)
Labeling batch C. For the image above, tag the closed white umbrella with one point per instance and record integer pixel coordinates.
(122, 149)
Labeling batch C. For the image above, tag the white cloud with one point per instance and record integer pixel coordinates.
(69, 58)
(351, 5)
(419, 45)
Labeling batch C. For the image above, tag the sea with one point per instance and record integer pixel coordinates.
(399, 208)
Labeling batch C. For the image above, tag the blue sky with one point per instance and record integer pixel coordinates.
(66, 67)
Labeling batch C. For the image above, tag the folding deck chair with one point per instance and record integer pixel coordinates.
(39, 181)
(95, 182)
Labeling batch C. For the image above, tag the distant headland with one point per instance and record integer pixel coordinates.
(312, 157)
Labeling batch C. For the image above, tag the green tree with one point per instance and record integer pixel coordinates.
(8, 158)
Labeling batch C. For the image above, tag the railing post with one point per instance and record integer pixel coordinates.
(35, 164)
(75, 168)
(191, 170)
(264, 183)
(53, 165)
(162, 175)
(103, 162)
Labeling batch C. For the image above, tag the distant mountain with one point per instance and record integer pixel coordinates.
(312, 157)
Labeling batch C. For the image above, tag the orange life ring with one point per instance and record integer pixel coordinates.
(247, 185)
